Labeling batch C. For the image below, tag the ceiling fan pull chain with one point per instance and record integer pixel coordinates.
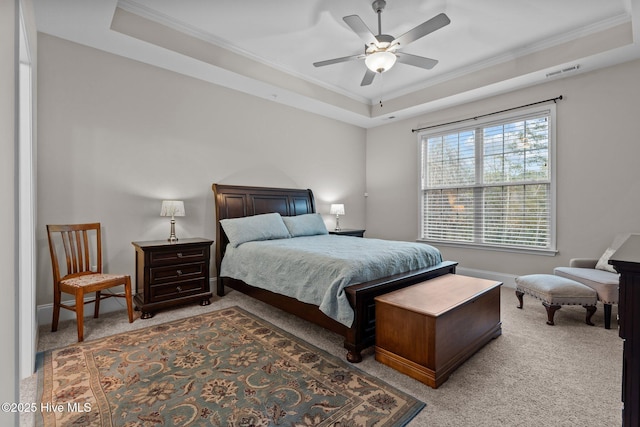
(381, 88)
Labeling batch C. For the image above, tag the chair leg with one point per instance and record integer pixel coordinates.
(128, 298)
(96, 306)
(607, 316)
(80, 314)
(56, 311)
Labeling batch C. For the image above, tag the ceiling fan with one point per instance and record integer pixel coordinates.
(381, 51)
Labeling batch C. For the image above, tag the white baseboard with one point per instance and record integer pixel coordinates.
(45, 311)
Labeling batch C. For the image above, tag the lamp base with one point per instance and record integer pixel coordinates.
(338, 223)
(172, 237)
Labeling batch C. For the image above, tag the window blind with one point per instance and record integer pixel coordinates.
(489, 183)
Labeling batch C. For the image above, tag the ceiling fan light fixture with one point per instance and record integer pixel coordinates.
(380, 50)
(379, 62)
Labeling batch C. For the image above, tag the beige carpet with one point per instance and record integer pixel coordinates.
(532, 375)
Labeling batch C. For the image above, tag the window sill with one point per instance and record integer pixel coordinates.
(529, 251)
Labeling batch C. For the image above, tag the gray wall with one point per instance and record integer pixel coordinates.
(598, 178)
(117, 136)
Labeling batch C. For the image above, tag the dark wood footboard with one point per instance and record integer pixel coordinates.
(362, 333)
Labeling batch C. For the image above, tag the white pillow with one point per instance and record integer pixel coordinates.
(305, 225)
(603, 262)
(253, 228)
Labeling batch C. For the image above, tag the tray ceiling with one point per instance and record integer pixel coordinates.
(268, 48)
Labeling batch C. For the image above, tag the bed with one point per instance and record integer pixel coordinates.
(233, 202)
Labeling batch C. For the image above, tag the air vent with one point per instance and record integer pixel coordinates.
(563, 71)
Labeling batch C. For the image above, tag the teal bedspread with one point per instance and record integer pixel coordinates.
(315, 269)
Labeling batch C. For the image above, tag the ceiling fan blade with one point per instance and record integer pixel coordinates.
(422, 30)
(360, 28)
(416, 61)
(337, 60)
(368, 78)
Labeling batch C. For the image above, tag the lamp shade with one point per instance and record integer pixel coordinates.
(172, 208)
(380, 62)
(337, 209)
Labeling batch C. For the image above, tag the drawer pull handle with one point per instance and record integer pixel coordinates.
(179, 272)
(179, 254)
(179, 289)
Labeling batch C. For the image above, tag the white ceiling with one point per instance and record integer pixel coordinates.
(268, 48)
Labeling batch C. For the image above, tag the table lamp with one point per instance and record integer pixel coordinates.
(337, 209)
(172, 208)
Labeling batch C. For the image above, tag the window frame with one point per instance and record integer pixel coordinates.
(477, 124)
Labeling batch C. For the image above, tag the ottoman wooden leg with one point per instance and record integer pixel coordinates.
(519, 295)
(551, 311)
(590, 310)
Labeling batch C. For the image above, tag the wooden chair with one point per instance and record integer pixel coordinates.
(83, 259)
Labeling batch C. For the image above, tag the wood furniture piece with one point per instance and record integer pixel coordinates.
(556, 291)
(82, 244)
(241, 201)
(626, 261)
(170, 274)
(348, 232)
(429, 329)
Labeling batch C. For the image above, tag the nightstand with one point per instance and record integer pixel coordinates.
(170, 274)
(348, 232)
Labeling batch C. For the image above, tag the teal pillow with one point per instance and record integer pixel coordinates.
(252, 228)
(305, 225)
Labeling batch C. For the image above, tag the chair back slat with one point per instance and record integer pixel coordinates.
(87, 258)
(67, 244)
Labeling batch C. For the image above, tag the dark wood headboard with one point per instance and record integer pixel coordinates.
(234, 201)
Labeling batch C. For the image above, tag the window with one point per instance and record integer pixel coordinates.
(490, 183)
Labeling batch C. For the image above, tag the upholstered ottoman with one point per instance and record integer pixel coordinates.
(556, 291)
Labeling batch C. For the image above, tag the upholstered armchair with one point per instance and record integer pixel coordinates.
(598, 275)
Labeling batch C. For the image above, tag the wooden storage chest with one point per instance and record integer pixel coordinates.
(429, 329)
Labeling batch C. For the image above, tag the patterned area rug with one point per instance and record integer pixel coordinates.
(225, 368)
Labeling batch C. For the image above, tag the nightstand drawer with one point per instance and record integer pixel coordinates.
(179, 255)
(170, 291)
(177, 272)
